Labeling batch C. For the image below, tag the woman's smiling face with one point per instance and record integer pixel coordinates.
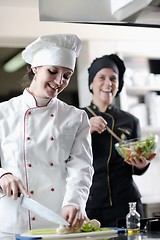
(49, 81)
(105, 86)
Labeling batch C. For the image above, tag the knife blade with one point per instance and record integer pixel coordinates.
(41, 210)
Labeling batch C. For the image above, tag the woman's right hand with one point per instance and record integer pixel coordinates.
(11, 186)
(98, 124)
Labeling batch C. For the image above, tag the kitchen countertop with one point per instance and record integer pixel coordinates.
(141, 236)
(120, 236)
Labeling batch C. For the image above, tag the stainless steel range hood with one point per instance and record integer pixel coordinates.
(146, 12)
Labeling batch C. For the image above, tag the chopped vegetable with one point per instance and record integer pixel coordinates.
(91, 226)
(95, 223)
(42, 231)
(62, 230)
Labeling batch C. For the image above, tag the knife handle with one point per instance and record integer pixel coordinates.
(19, 237)
(19, 193)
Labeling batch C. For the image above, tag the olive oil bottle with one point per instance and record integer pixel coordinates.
(132, 220)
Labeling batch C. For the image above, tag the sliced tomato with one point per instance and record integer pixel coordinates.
(139, 152)
(128, 152)
(152, 155)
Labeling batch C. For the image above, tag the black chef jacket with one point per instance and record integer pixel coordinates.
(112, 181)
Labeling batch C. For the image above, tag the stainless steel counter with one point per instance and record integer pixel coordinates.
(141, 236)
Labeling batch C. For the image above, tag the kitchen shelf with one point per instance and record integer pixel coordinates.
(141, 90)
(142, 100)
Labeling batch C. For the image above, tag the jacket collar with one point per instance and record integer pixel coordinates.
(31, 102)
(94, 107)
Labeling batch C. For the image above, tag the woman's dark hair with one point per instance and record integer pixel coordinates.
(28, 77)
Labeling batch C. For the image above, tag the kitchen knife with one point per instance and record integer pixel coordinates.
(41, 210)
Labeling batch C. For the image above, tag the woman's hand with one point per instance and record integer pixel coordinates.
(12, 185)
(98, 124)
(74, 216)
(140, 162)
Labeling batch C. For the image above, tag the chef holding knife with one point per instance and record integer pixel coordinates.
(45, 144)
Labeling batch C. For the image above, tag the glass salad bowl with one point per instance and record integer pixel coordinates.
(138, 147)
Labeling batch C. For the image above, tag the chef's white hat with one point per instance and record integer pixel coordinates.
(54, 50)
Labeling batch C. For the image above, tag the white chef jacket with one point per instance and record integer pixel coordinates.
(49, 149)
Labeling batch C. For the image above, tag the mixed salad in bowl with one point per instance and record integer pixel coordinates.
(138, 147)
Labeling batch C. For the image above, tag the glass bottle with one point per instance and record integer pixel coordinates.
(134, 237)
(133, 219)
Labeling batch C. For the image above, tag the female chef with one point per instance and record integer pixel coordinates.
(113, 186)
(45, 145)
